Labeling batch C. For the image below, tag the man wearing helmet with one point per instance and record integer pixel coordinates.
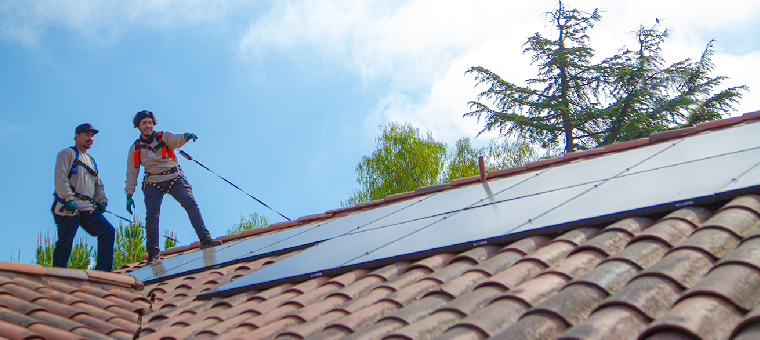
(155, 151)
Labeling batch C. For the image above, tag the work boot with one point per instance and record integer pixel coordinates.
(208, 242)
(153, 259)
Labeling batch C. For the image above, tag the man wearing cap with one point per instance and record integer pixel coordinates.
(80, 200)
(155, 151)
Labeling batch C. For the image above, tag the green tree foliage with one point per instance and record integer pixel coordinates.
(253, 221)
(576, 104)
(498, 154)
(566, 83)
(403, 160)
(130, 244)
(45, 247)
(644, 95)
(170, 239)
(81, 253)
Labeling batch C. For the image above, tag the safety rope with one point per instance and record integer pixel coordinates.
(184, 154)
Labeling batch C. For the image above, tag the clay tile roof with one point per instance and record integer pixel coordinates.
(688, 272)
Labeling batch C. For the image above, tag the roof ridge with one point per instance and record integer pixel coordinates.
(73, 274)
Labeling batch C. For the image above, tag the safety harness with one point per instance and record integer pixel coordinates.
(73, 171)
(165, 151)
(161, 145)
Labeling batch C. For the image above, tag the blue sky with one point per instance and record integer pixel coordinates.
(285, 96)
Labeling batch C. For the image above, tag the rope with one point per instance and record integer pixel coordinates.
(184, 154)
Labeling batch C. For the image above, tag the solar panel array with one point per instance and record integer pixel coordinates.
(693, 170)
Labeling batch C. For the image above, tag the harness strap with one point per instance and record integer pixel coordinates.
(170, 171)
(165, 150)
(157, 186)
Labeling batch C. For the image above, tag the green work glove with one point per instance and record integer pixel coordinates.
(189, 136)
(102, 206)
(71, 205)
(130, 203)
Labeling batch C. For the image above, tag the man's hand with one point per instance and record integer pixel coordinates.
(130, 203)
(102, 206)
(189, 136)
(71, 205)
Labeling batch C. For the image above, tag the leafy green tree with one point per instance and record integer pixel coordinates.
(403, 160)
(556, 111)
(130, 244)
(576, 104)
(498, 154)
(80, 257)
(253, 221)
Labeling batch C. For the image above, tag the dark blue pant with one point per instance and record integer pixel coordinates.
(94, 224)
(183, 193)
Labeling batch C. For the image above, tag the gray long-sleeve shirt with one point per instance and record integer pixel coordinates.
(152, 161)
(84, 183)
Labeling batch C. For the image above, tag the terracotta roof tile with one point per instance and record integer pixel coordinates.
(515, 275)
(694, 215)
(534, 326)
(578, 236)
(13, 331)
(550, 254)
(682, 266)
(746, 254)
(616, 322)
(749, 202)
(477, 255)
(735, 283)
(462, 284)
(608, 242)
(741, 222)
(470, 303)
(313, 326)
(495, 317)
(499, 262)
(366, 316)
(703, 317)
(609, 276)
(537, 290)
(716, 242)
(577, 264)
(670, 231)
(649, 295)
(429, 327)
(574, 303)
(643, 253)
(420, 308)
(410, 293)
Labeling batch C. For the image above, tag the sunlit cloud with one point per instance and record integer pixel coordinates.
(419, 50)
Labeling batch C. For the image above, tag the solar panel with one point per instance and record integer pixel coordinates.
(660, 176)
(267, 244)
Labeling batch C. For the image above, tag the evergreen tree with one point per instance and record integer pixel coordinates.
(556, 113)
(575, 104)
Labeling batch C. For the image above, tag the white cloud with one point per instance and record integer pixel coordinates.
(104, 22)
(422, 48)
